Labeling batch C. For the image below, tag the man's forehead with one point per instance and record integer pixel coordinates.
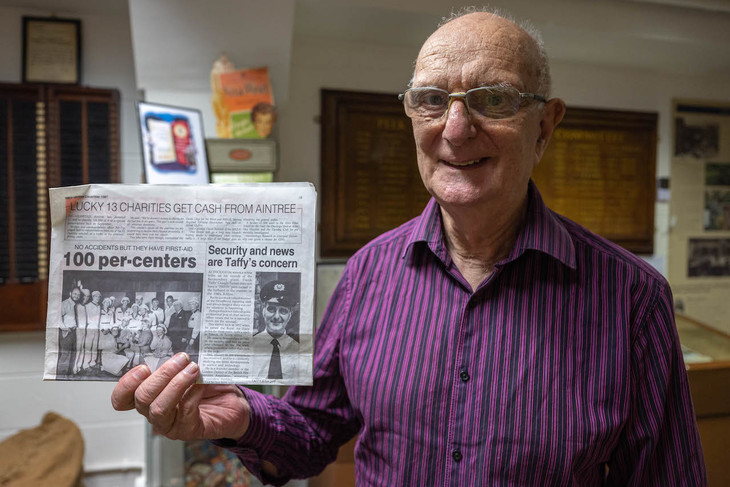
(476, 49)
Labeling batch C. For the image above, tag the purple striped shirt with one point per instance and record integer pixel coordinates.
(563, 365)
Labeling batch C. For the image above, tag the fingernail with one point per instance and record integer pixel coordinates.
(181, 358)
(191, 369)
(141, 372)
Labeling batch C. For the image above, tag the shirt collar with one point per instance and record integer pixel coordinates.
(542, 231)
(428, 230)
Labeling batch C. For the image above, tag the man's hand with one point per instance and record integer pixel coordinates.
(178, 408)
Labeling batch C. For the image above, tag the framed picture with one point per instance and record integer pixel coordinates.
(51, 50)
(173, 145)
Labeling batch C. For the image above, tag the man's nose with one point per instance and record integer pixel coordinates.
(459, 126)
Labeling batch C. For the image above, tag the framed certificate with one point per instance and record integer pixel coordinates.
(51, 50)
(173, 145)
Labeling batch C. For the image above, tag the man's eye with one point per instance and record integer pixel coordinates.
(494, 100)
(435, 99)
(489, 101)
(431, 98)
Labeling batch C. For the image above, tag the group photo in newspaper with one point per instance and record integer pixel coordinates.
(224, 273)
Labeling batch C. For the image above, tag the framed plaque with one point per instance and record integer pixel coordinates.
(600, 171)
(51, 50)
(370, 178)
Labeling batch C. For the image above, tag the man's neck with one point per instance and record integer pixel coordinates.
(477, 239)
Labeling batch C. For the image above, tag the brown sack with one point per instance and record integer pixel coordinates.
(51, 454)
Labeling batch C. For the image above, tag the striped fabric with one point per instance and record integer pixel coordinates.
(563, 368)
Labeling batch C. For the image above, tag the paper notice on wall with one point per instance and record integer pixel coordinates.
(222, 272)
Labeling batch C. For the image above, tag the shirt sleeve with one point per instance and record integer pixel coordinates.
(301, 433)
(660, 444)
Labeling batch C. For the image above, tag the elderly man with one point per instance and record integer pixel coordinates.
(489, 341)
(278, 298)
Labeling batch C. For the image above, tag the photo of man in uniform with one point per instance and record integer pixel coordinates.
(271, 344)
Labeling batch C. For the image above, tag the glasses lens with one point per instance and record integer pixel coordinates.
(426, 102)
(494, 102)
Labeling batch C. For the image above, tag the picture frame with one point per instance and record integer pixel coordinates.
(51, 50)
(172, 144)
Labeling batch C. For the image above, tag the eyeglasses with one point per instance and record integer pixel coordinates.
(501, 101)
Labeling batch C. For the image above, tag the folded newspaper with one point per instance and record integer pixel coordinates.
(222, 272)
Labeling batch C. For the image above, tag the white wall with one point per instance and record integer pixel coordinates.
(113, 440)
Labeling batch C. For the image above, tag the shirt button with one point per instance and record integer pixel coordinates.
(464, 375)
(457, 456)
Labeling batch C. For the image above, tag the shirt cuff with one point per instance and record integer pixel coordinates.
(258, 439)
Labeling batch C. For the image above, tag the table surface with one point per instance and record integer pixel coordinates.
(701, 343)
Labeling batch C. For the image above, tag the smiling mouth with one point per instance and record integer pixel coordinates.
(464, 163)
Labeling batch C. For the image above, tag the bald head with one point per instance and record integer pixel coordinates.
(493, 41)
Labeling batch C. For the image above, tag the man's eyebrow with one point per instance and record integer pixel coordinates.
(501, 84)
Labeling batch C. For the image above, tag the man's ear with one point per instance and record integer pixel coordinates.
(553, 113)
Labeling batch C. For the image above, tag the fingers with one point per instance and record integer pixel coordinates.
(123, 394)
(150, 389)
(163, 413)
(166, 397)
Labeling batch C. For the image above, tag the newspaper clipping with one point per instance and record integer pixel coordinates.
(222, 272)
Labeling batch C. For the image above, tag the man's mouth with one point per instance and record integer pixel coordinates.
(464, 163)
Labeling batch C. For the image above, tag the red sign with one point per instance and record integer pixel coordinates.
(240, 154)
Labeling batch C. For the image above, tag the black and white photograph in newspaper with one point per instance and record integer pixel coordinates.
(113, 321)
(275, 341)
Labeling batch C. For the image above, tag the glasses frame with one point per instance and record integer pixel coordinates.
(463, 95)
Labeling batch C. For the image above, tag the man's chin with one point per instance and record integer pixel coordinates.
(276, 333)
